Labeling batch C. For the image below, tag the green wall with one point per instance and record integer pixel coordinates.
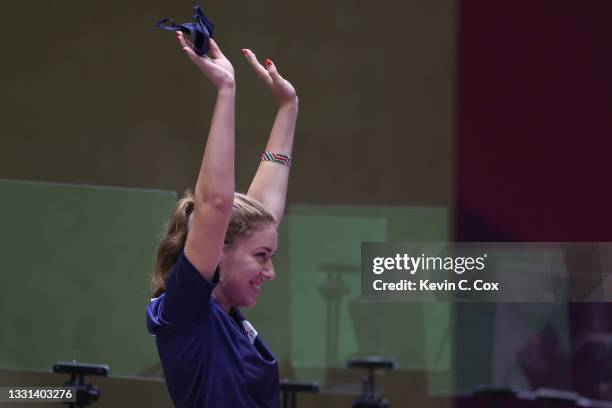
(75, 267)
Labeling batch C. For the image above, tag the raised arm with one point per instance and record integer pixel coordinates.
(214, 190)
(269, 186)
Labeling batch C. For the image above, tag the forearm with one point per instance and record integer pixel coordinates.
(215, 182)
(270, 183)
(283, 129)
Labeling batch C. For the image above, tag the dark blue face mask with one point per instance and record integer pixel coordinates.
(201, 30)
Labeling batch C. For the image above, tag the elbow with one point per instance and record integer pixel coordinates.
(223, 203)
(216, 201)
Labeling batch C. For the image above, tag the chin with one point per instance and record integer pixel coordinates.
(250, 303)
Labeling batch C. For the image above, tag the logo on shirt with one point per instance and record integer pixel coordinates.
(250, 330)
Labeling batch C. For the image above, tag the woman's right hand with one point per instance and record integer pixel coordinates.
(216, 67)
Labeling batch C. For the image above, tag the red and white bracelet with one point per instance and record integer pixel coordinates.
(279, 158)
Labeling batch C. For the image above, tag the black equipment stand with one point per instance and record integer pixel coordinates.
(86, 393)
(291, 388)
(368, 397)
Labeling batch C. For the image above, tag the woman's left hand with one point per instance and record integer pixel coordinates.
(281, 88)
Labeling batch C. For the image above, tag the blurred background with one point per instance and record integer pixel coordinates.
(460, 120)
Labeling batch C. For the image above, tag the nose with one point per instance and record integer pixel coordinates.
(268, 271)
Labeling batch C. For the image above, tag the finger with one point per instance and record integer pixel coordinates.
(183, 41)
(195, 58)
(214, 50)
(259, 69)
(187, 49)
(271, 68)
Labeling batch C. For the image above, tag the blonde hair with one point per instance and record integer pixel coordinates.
(248, 214)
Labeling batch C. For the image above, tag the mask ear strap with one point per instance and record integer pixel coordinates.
(186, 28)
(162, 24)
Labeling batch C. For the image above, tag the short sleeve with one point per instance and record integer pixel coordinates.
(188, 294)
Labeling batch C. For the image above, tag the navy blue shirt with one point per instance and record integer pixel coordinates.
(210, 358)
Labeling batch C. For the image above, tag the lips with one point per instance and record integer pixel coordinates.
(256, 285)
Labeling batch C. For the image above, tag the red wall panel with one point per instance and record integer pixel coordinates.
(534, 120)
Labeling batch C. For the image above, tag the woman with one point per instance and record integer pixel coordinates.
(217, 255)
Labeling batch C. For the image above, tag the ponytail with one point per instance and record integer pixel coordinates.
(174, 240)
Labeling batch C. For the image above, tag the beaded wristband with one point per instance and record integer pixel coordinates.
(279, 158)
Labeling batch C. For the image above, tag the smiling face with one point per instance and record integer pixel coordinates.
(245, 266)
